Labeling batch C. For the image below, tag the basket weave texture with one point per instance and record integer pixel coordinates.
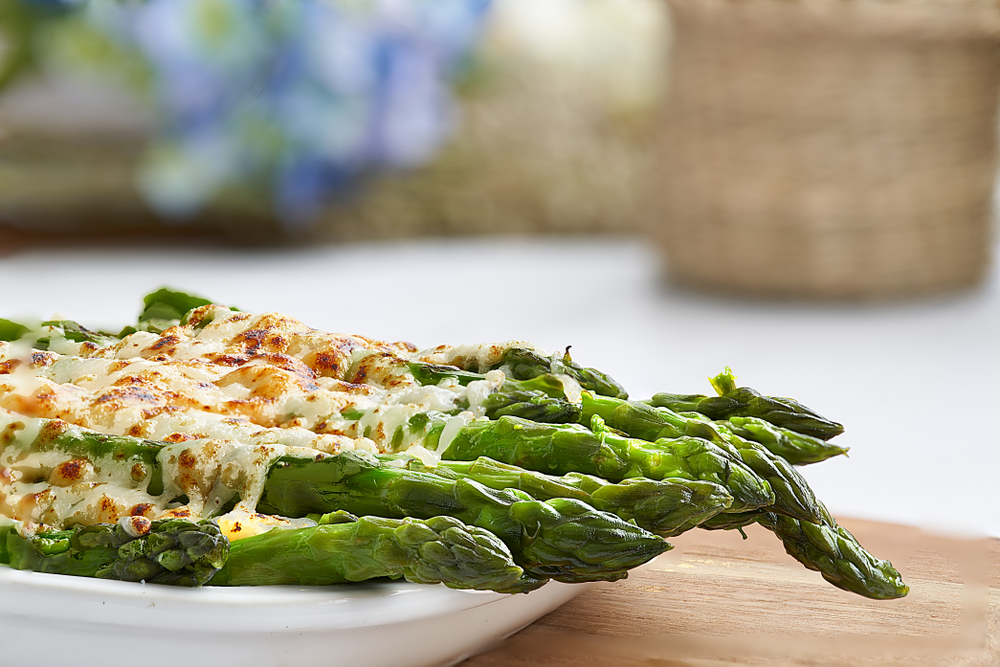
(830, 149)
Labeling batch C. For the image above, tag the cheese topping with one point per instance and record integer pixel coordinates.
(222, 396)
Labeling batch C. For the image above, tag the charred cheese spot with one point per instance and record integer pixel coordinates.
(137, 525)
(143, 509)
(187, 460)
(71, 472)
(138, 472)
(165, 341)
(179, 437)
(42, 359)
(327, 363)
(8, 366)
(9, 432)
(109, 510)
(230, 359)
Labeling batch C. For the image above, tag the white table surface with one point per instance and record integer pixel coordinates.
(915, 383)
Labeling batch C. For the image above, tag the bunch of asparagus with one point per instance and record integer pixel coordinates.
(564, 479)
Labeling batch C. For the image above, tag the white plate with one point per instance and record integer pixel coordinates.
(89, 622)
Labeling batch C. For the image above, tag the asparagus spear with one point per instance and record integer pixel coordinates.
(561, 538)
(666, 507)
(732, 521)
(796, 448)
(78, 442)
(344, 548)
(745, 402)
(826, 547)
(833, 552)
(175, 552)
(165, 308)
(11, 331)
(548, 537)
(525, 364)
(566, 448)
(44, 332)
(792, 493)
(541, 398)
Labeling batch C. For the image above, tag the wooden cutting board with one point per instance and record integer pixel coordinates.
(718, 600)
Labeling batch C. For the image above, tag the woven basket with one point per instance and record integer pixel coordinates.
(830, 149)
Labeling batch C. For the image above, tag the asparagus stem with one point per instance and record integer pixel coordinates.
(792, 493)
(666, 507)
(525, 364)
(826, 547)
(561, 538)
(796, 448)
(174, 552)
(540, 399)
(344, 548)
(566, 448)
(832, 550)
(734, 401)
(11, 331)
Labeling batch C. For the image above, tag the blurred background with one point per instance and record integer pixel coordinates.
(802, 190)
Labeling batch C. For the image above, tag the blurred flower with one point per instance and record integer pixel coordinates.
(294, 98)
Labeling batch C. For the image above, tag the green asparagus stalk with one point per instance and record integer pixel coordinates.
(45, 331)
(666, 507)
(527, 404)
(566, 448)
(545, 536)
(7, 527)
(561, 538)
(792, 493)
(78, 442)
(734, 401)
(541, 398)
(825, 547)
(11, 331)
(174, 552)
(832, 551)
(796, 448)
(732, 521)
(525, 364)
(344, 548)
(166, 308)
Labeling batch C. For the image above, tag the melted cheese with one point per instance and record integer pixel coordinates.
(228, 393)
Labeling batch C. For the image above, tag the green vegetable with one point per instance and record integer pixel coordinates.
(174, 552)
(567, 448)
(81, 443)
(791, 491)
(525, 364)
(666, 507)
(11, 331)
(166, 308)
(561, 538)
(43, 334)
(826, 547)
(344, 548)
(833, 552)
(796, 448)
(528, 494)
(734, 401)
(541, 398)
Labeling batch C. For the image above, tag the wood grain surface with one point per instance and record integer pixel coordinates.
(718, 600)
